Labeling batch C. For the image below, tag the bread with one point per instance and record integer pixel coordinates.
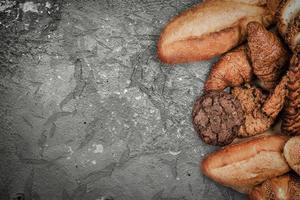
(286, 187)
(291, 113)
(210, 29)
(292, 153)
(268, 55)
(260, 111)
(243, 165)
(293, 33)
(286, 13)
(233, 69)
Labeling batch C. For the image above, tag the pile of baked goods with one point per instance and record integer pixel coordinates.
(257, 123)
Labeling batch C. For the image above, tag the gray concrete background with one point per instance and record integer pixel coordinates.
(88, 111)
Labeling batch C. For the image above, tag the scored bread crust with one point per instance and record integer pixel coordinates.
(209, 29)
(248, 163)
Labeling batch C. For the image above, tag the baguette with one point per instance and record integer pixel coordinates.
(210, 29)
(243, 165)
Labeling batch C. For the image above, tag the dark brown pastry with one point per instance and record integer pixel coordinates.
(267, 53)
(291, 117)
(217, 117)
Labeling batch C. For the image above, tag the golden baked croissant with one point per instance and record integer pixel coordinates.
(233, 69)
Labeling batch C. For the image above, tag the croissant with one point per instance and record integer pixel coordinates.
(233, 69)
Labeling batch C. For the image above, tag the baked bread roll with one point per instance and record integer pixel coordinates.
(243, 165)
(292, 153)
(293, 32)
(287, 11)
(286, 187)
(211, 28)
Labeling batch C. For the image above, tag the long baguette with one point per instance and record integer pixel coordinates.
(210, 28)
(243, 165)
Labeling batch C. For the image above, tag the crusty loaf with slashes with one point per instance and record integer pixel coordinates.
(243, 165)
(211, 28)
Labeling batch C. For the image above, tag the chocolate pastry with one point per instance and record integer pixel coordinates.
(217, 117)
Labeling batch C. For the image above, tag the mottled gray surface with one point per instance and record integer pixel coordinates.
(88, 111)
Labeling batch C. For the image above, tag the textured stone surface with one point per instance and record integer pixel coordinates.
(87, 110)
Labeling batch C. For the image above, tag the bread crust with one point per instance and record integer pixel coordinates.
(292, 153)
(233, 69)
(293, 33)
(243, 165)
(282, 24)
(188, 50)
(286, 187)
(209, 29)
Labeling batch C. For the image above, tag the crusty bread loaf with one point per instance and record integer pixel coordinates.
(293, 32)
(286, 187)
(243, 165)
(292, 153)
(286, 13)
(210, 28)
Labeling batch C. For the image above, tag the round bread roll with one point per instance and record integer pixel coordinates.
(292, 153)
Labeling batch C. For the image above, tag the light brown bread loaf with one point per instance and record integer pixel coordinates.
(292, 153)
(211, 28)
(243, 165)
